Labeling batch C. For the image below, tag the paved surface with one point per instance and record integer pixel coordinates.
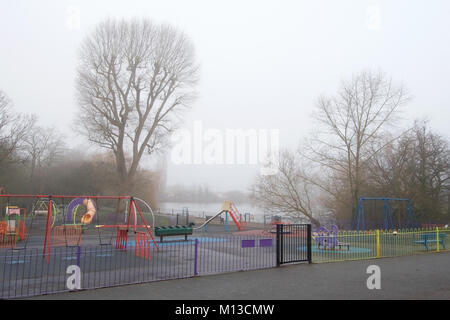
(424, 276)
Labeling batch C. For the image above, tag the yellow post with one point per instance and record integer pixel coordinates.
(378, 244)
(437, 239)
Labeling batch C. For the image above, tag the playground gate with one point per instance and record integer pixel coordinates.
(293, 243)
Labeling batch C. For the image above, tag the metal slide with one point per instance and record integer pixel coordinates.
(209, 220)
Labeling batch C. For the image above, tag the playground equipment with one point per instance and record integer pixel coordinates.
(173, 231)
(141, 238)
(70, 234)
(229, 209)
(13, 228)
(65, 229)
(384, 213)
(327, 238)
(40, 208)
(91, 210)
(74, 206)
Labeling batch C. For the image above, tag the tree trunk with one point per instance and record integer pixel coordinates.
(125, 189)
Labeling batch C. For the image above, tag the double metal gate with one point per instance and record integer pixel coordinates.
(293, 243)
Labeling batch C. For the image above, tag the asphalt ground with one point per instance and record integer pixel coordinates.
(424, 276)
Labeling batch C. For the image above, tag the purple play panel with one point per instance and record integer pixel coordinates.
(248, 243)
(265, 243)
(72, 205)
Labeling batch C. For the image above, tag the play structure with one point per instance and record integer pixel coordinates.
(12, 228)
(384, 214)
(61, 221)
(73, 209)
(327, 238)
(66, 228)
(229, 210)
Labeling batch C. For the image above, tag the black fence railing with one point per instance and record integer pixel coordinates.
(293, 243)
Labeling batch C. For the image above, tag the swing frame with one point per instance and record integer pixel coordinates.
(359, 220)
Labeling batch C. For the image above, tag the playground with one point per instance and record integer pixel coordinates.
(118, 240)
(53, 233)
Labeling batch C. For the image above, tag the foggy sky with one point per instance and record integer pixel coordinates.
(263, 63)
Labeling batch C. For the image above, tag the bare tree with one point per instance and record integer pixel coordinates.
(350, 123)
(134, 78)
(287, 191)
(14, 128)
(42, 146)
(417, 167)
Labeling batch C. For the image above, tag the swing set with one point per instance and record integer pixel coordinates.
(69, 232)
(384, 213)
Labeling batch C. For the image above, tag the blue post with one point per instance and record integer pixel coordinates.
(360, 214)
(387, 215)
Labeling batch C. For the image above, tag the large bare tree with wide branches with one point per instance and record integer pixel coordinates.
(133, 79)
(350, 130)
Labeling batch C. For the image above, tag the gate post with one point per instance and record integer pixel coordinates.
(279, 243)
(309, 242)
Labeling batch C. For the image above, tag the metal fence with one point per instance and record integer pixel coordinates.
(352, 245)
(293, 243)
(28, 272)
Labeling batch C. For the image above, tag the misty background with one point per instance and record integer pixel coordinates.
(263, 65)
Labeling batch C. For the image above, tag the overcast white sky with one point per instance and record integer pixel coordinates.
(263, 63)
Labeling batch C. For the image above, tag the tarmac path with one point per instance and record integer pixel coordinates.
(425, 276)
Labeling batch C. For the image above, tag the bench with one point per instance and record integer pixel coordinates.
(330, 242)
(343, 244)
(162, 232)
(431, 238)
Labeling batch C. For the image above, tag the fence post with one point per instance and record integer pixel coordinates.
(196, 258)
(278, 243)
(437, 239)
(309, 243)
(48, 230)
(378, 244)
